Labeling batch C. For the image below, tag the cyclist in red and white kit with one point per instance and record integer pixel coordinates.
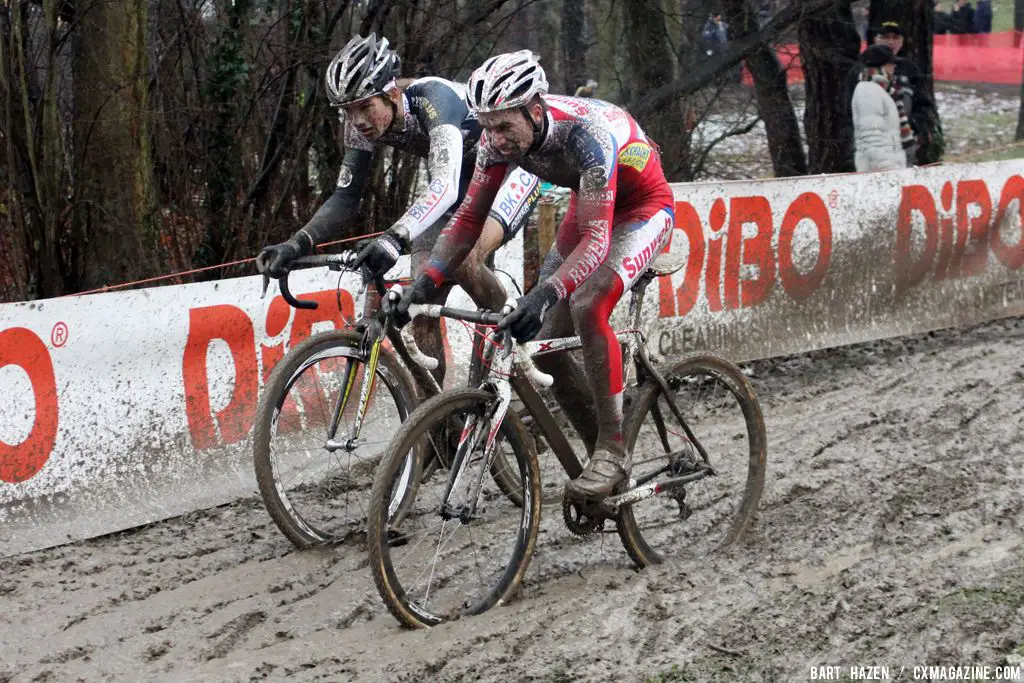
(619, 218)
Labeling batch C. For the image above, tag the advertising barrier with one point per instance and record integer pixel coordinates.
(784, 266)
(126, 408)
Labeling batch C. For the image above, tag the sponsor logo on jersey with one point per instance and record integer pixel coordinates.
(427, 106)
(635, 265)
(635, 155)
(345, 177)
(516, 199)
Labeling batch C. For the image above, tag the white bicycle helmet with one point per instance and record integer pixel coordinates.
(363, 68)
(506, 81)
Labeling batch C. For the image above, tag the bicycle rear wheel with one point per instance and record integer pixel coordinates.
(315, 492)
(722, 413)
(453, 554)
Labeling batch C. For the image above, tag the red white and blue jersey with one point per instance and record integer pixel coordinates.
(590, 146)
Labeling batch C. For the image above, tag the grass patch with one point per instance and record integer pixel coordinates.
(1002, 15)
(1002, 155)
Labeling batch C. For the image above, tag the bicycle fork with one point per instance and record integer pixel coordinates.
(372, 338)
(469, 440)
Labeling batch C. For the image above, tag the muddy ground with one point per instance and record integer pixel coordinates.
(890, 533)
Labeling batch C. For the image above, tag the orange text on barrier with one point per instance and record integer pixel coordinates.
(720, 255)
(957, 242)
(19, 462)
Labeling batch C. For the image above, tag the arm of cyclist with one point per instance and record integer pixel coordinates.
(441, 112)
(337, 212)
(460, 235)
(594, 154)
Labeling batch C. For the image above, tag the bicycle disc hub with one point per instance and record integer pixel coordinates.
(461, 513)
(348, 445)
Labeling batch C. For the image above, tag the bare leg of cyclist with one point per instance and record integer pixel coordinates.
(591, 306)
(474, 274)
(427, 331)
(570, 388)
(481, 284)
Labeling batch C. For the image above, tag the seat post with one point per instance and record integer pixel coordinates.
(636, 297)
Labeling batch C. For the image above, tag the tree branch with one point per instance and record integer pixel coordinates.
(737, 51)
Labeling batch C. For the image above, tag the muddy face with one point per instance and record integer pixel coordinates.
(510, 132)
(371, 117)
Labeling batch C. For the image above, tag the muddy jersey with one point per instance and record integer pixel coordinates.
(590, 146)
(437, 126)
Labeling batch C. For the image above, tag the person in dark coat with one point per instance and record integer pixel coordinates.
(941, 23)
(962, 18)
(983, 17)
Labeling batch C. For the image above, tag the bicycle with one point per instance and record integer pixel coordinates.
(314, 444)
(413, 555)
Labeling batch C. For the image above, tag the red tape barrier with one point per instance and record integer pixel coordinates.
(996, 58)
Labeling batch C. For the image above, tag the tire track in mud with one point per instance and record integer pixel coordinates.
(890, 532)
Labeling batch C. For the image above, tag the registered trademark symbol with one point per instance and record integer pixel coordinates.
(59, 335)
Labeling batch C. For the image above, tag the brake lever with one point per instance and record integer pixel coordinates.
(266, 285)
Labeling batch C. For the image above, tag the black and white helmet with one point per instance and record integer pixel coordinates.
(363, 68)
(506, 81)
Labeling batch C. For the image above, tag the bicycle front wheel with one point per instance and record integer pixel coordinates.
(313, 473)
(725, 461)
(457, 545)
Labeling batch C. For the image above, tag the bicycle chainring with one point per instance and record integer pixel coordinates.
(580, 521)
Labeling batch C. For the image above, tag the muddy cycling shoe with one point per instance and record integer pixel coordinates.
(603, 474)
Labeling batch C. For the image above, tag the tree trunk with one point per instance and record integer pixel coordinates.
(652, 60)
(829, 46)
(772, 93)
(114, 198)
(574, 47)
(1018, 15)
(224, 85)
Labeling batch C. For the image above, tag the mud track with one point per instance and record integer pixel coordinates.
(890, 533)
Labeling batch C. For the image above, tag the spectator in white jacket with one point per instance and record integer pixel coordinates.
(876, 119)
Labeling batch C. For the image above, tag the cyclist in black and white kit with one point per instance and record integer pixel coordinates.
(430, 118)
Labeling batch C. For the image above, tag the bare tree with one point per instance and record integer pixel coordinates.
(113, 198)
(36, 174)
(652, 60)
(829, 46)
(772, 92)
(574, 47)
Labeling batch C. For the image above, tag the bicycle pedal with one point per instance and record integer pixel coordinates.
(396, 538)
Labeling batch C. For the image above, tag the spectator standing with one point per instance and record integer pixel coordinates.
(765, 12)
(876, 118)
(942, 19)
(922, 112)
(983, 17)
(716, 36)
(962, 18)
